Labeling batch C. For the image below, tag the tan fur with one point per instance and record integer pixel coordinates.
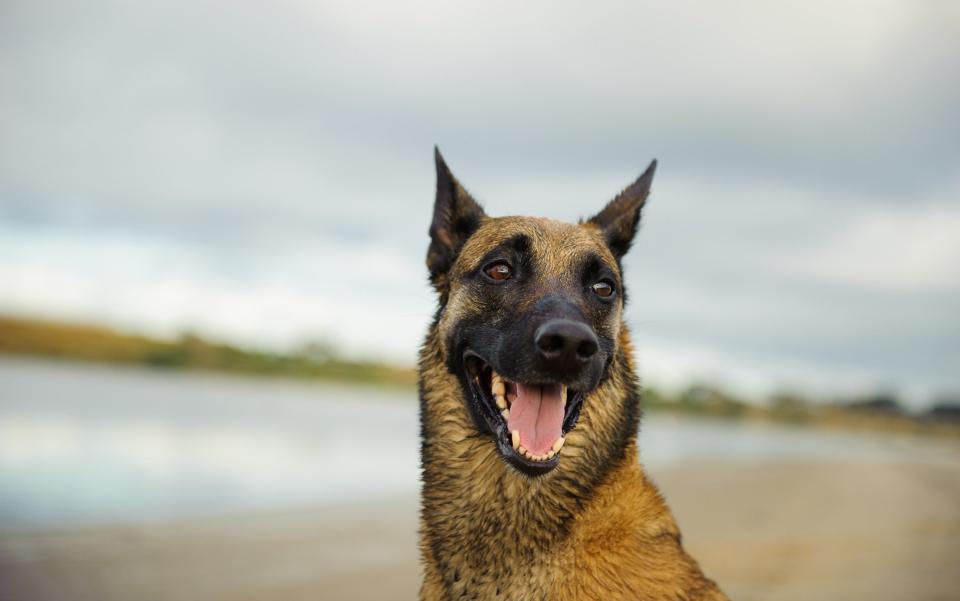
(490, 532)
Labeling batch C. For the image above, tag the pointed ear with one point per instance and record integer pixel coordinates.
(456, 216)
(619, 219)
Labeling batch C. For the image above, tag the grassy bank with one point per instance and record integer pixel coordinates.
(879, 412)
(27, 337)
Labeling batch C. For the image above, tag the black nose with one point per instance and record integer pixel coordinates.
(566, 344)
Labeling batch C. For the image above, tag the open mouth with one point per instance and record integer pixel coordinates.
(529, 421)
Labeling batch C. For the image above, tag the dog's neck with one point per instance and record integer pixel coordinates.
(476, 509)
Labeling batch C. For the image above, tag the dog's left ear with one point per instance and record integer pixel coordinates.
(619, 219)
(456, 216)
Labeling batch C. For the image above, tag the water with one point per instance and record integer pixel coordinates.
(84, 444)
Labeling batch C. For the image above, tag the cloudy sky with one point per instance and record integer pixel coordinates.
(262, 173)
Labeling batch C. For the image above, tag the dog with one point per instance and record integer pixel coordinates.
(529, 412)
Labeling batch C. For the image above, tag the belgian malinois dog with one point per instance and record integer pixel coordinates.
(529, 409)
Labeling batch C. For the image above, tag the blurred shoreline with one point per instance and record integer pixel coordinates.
(99, 344)
(775, 531)
(880, 412)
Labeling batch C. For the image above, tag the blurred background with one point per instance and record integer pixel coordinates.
(213, 224)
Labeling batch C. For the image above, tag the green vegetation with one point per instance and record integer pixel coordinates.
(94, 343)
(881, 412)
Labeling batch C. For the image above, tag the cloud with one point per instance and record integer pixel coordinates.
(149, 112)
(899, 251)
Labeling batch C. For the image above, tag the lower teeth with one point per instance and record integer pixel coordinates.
(554, 450)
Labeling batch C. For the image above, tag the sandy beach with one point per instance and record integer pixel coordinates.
(777, 532)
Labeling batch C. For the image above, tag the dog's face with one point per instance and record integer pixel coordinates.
(530, 313)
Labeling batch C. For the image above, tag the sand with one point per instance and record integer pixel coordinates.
(775, 532)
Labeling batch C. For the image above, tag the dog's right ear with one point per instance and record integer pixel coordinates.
(456, 216)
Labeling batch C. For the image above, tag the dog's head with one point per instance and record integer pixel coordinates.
(530, 313)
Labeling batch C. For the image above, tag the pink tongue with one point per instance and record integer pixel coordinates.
(538, 413)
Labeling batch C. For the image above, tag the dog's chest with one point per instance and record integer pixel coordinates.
(498, 536)
(506, 577)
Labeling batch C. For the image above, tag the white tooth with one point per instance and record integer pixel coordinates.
(505, 413)
(523, 451)
(559, 444)
(563, 393)
(515, 435)
(497, 386)
(501, 402)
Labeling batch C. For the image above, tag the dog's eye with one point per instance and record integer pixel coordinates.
(498, 271)
(603, 289)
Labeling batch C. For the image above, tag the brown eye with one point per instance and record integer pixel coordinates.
(603, 289)
(498, 271)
